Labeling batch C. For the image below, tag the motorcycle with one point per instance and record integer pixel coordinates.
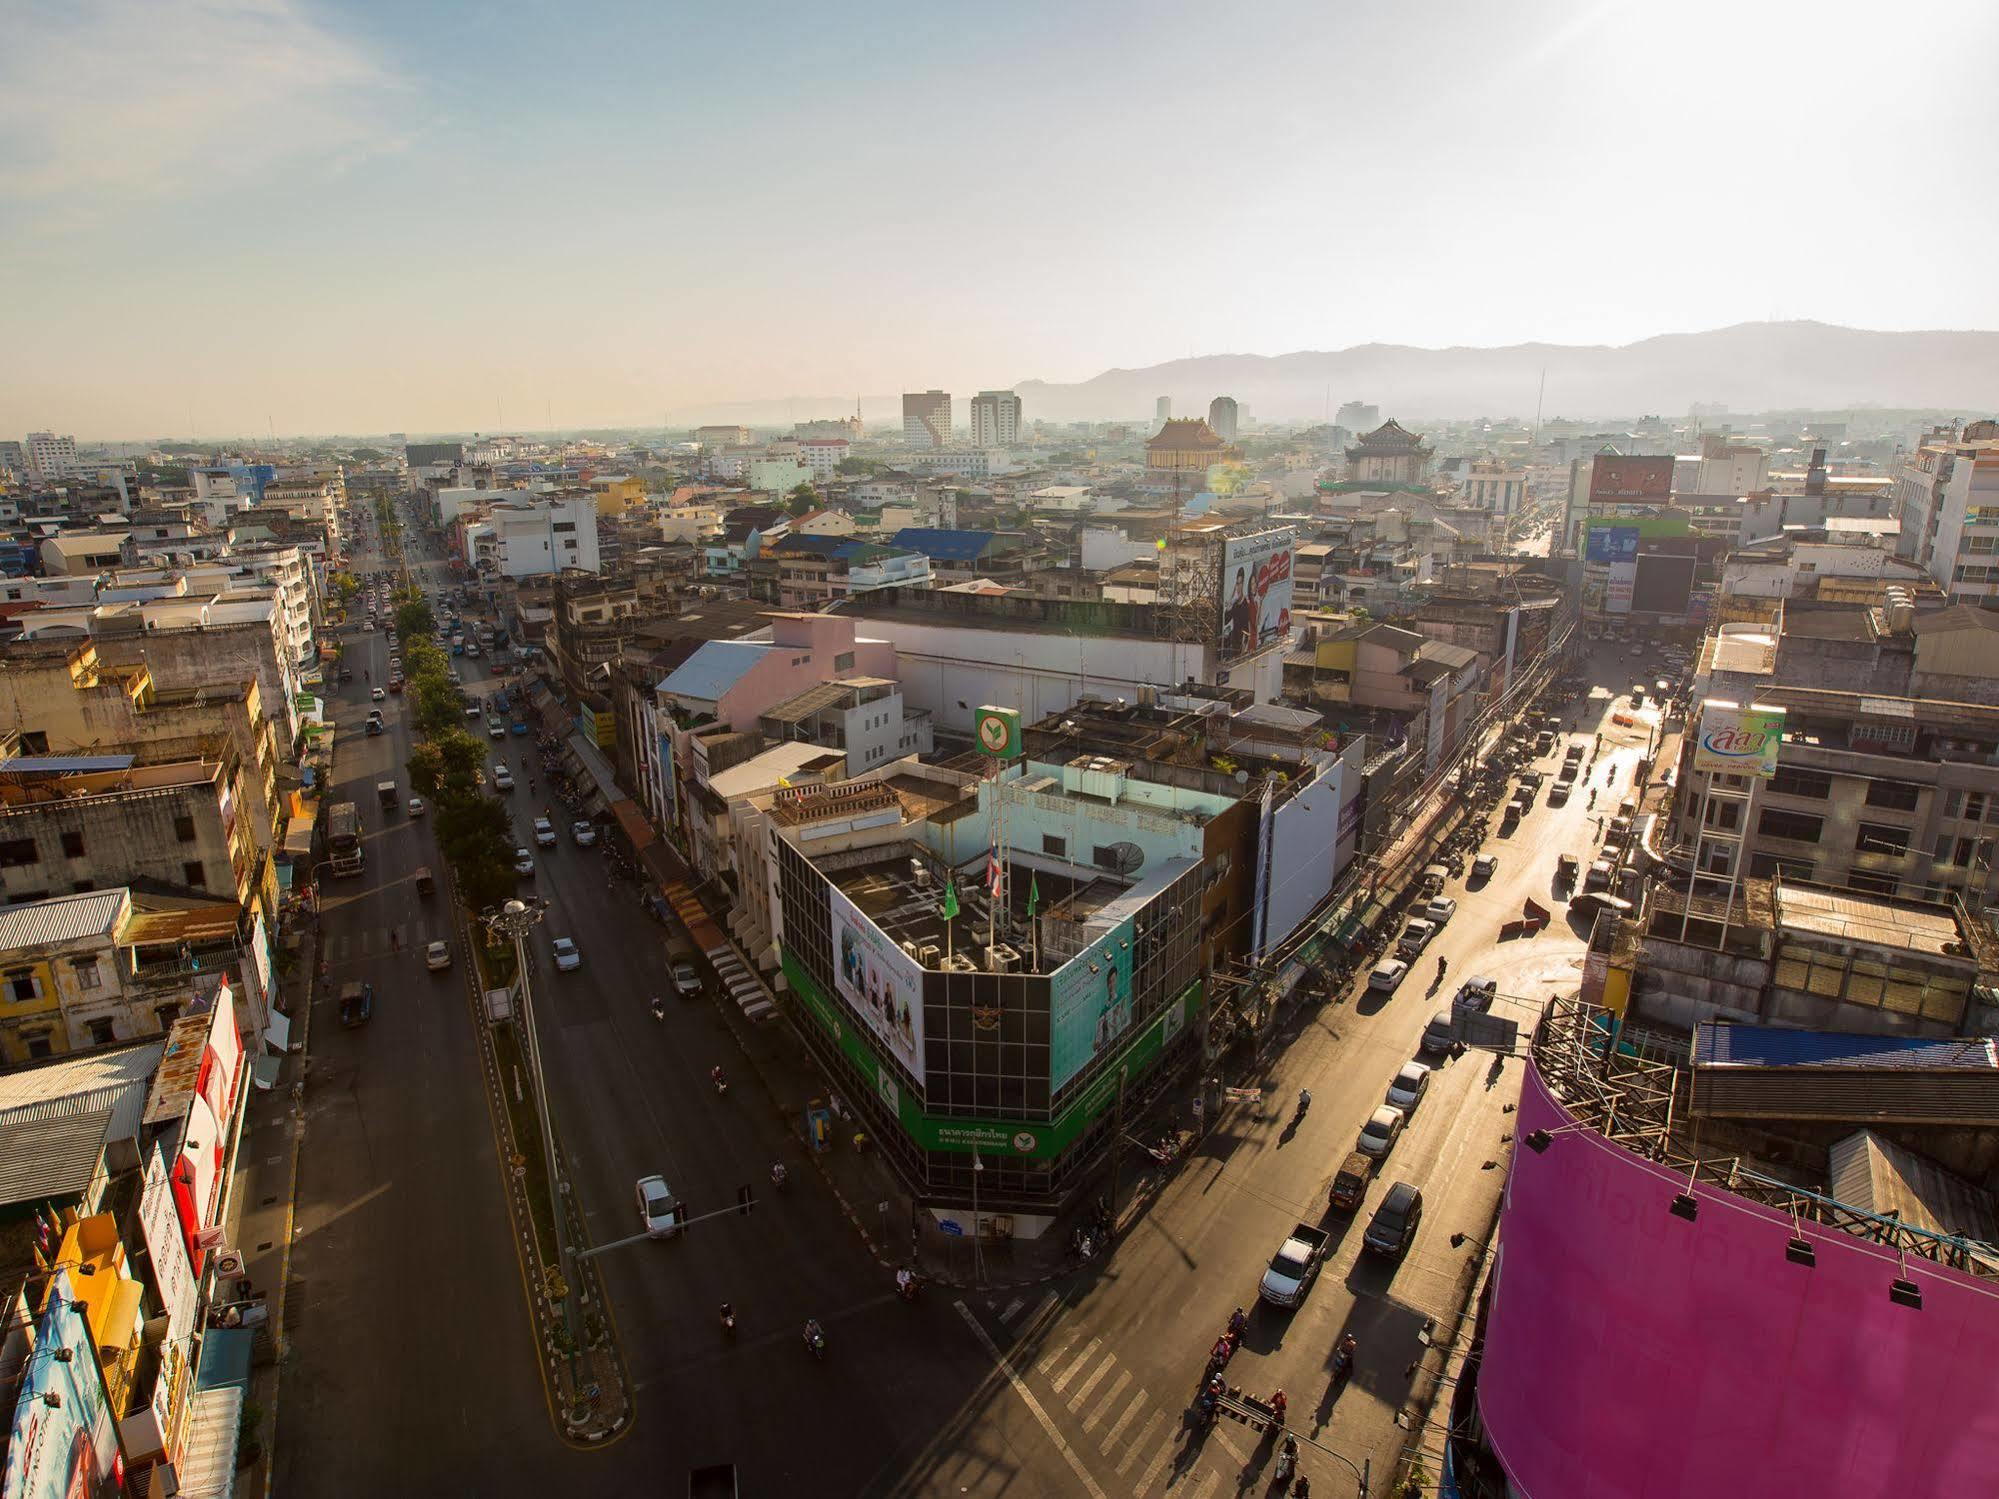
(815, 1340)
(908, 1287)
(658, 1009)
(1304, 1103)
(1343, 1359)
(728, 1318)
(1287, 1462)
(721, 1083)
(778, 1177)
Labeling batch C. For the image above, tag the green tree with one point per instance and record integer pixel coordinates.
(414, 620)
(859, 466)
(426, 769)
(802, 500)
(475, 836)
(346, 585)
(367, 455)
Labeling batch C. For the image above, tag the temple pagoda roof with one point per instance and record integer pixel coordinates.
(1390, 438)
(1185, 434)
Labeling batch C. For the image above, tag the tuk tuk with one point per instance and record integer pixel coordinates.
(1567, 868)
(1434, 876)
(1350, 1181)
(425, 885)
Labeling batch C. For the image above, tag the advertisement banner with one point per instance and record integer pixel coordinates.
(1618, 587)
(1256, 590)
(1610, 543)
(1616, 477)
(994, 1136)
(1738, 741)
(879, 981)
(63, 1444)
(1089, 1004)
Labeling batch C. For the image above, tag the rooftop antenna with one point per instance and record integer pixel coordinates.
(1535, 440)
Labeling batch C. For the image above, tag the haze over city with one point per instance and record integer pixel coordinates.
(1037, 752)
(324, 217)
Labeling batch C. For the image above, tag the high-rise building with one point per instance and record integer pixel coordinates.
(1162, 411)
(13, 461)
(926, 418)
(995, 419)
(1358, 416)
(1222, 417)
(50, 457)
(1949, 500)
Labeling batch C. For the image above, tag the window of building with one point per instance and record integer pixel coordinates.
(1801, 827)
(1726, 816)
(192, 874)
(87, 973)
(22, 986)
(184, 828)
(1058, 847)
(72, 845)
(34, 742)
(1880, 838)
(14, 852)
(38, 1046)
(1791, 781)
(1974, 806)
(1897, 796)
(844, 661)
(102, 1033)
(166, 1015)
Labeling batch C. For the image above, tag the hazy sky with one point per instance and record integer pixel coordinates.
(379, 215)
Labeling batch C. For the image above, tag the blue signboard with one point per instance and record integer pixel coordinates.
(1612, 544)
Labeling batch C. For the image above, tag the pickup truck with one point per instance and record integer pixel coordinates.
(385, 793)
(1294, 1266)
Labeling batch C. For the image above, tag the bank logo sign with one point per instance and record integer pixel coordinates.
(1738, 741)
(999, 732)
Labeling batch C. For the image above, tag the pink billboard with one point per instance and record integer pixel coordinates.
(1630, 1352)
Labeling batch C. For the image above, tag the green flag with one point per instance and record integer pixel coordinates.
(950, 899)
(1033, 894)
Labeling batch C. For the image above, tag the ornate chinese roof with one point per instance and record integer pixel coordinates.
(1390, 437)
(1185, 434)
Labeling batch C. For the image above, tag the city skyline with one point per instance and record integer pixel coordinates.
(351, 217)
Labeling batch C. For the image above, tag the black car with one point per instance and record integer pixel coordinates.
(1394, 1223)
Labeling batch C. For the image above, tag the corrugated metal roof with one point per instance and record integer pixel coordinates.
(116, 1078)
(61, 918)
(713, 669)
(1882, 1178)
(1722, 1043)
(54, 1157)
(942, 545)
(64, 764)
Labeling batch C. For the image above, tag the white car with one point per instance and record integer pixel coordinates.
(495, 729)
(523, 862)
(1485, 866)
(567, 957)
(1415, 937)
(437, 956)
(417, 806)
(583, 832)
(658, 1210)
(1440, 910)
(503, 778)
(544, 832)
(1387, 974)
(1378, 1135)
(377, 695)
(1409, 1086)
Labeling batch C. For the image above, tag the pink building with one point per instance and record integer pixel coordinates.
(732, 682)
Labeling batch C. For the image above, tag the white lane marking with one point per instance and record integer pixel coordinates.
(1152, 1468)
(1138, 1444)
(1011, 1307)
(1118, 1426)
(1083, 1390)
(1054, 1356)
(1110, 1399)
(1034, 1406)
(1208, 1485)
(1062, 1380)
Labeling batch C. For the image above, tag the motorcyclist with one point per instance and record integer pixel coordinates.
(1238, 1321)
(1442, 964)
(1278, 1405)
(903, 1279)
(728, 1317)
(1304, 1099)
(778, 1174)
(814, 1334)
(1343, 1352)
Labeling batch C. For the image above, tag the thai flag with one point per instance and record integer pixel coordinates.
(993, 874)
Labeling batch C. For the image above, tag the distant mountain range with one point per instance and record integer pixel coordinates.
(1749, 367)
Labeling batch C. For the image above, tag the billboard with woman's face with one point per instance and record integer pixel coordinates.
(1089, 1004)
(879, 981)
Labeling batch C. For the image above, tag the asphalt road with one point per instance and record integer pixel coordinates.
(412, 1366)
(1103, 1373)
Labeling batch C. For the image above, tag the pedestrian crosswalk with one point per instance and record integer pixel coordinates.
(742, 985)
(389, 941)
(1098, 1413)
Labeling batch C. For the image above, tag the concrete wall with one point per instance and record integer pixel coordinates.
(125, 838)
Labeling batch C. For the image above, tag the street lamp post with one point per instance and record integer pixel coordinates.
(514, 920)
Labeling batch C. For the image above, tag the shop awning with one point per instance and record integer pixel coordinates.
(207, 1466)
(632, 822)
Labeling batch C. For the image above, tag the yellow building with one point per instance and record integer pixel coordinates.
(615, 492)
(1188, 445)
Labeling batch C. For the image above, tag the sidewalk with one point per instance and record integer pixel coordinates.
(263, 1197)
